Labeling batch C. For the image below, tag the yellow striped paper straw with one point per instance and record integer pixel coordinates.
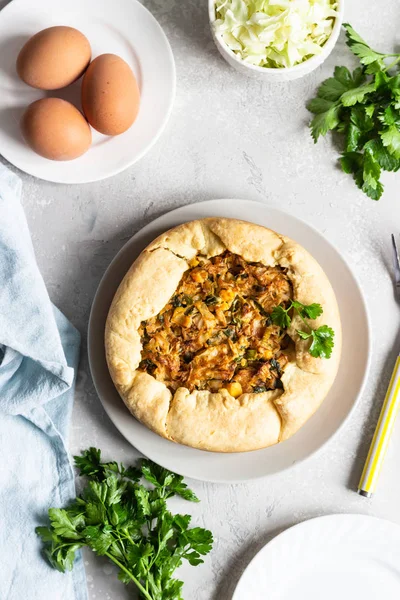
(383, 431)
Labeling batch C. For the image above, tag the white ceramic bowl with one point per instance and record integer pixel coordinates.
(278, 74)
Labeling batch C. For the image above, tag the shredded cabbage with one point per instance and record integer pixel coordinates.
(275, 33)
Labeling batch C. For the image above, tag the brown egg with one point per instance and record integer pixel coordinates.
(54, 58)
(110, 95)
(55, 129)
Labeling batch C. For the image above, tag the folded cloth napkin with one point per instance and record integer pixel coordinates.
(39, 351)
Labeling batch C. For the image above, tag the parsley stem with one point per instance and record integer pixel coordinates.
(302, 318)
(137, 583)
(64, 545)
(392, 64)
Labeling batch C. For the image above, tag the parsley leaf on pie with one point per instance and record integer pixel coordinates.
(308, 311)
(323, 342)
(322, 338)
(280, 317)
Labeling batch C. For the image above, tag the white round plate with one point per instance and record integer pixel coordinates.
(336, 408)
(122, 27)
(338, 557)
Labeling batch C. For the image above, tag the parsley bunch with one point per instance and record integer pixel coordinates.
(364, 107)
(117, 517)
(322, 338)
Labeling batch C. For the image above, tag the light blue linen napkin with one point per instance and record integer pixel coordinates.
(39, 351)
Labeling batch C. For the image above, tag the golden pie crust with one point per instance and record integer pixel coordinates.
(217, 421)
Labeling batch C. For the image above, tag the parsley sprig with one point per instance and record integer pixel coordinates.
(322, 338)
(118, 517)
(364, 107)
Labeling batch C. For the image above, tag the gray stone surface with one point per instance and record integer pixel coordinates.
(229, 136)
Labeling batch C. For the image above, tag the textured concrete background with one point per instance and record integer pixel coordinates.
(233, 137)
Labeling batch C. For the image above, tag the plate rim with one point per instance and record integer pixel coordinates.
(126, 164)
(357, 400)
(303, 525)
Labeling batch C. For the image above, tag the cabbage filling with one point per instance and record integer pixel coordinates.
(216, 331)
(275, 33)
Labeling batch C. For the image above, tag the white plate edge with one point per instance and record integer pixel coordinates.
(304, 524)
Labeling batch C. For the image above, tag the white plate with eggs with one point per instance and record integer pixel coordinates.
(123, 28)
